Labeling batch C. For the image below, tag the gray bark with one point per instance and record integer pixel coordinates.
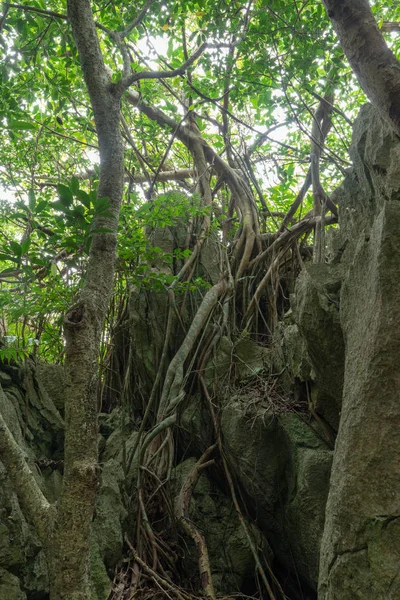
(83, 325)
(374, 64)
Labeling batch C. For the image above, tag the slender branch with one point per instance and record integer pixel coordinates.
(66, 137)
(263, 137)
(321, 125)
(40, 11)
(63, 16)
(334, 108)
(128, 81)
(297, 202)
(240, 122)
(390, 26)
(137, 20)
(175, 175)
(4, 15)
(143, 163)
(306, 224)
(182, 511)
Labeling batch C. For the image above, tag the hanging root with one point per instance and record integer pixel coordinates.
(182, 513)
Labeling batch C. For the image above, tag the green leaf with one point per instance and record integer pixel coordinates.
(53, 270)
(4, 256)
(83, 197)
(74, 185)
(101, 206)
(21, 125)
(65, 194)
(32, 199)
(25, 245)
(58, 205)
(40, 206)
(16, 248)
(79, 210)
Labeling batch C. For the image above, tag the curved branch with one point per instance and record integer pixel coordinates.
(128, 81)
(137, 20)
(182, 512)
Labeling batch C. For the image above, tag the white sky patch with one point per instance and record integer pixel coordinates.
(151, 47)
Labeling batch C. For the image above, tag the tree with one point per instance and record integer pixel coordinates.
(375, 65)
(231, 78)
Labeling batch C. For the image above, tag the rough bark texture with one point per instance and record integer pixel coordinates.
(83, 325)
(375, 65)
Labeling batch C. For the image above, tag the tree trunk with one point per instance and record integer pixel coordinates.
(375, 65)
(65, 531)
(83, 324)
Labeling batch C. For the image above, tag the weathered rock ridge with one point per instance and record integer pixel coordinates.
(360, 552)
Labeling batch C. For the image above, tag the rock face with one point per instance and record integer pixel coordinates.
(316, 312)
(36, 424)
(37, 427)
(360, 552)
(284, 470)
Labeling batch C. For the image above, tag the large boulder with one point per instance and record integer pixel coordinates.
(283, 468)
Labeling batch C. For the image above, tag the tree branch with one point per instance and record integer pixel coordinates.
(40, 11)
(390, 26)
(137, 20)
(4, 15)
(128, 81)
(321, 125)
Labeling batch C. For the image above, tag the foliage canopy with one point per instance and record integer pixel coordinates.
(252, 94)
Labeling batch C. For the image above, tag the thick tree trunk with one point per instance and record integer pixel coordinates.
(375, 65)
(83, 325)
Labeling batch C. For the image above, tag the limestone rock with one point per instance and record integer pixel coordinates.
(211, 511)
(365, 482)
(10, 587)
(361, 544)
(316, 311)
(284, 469)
